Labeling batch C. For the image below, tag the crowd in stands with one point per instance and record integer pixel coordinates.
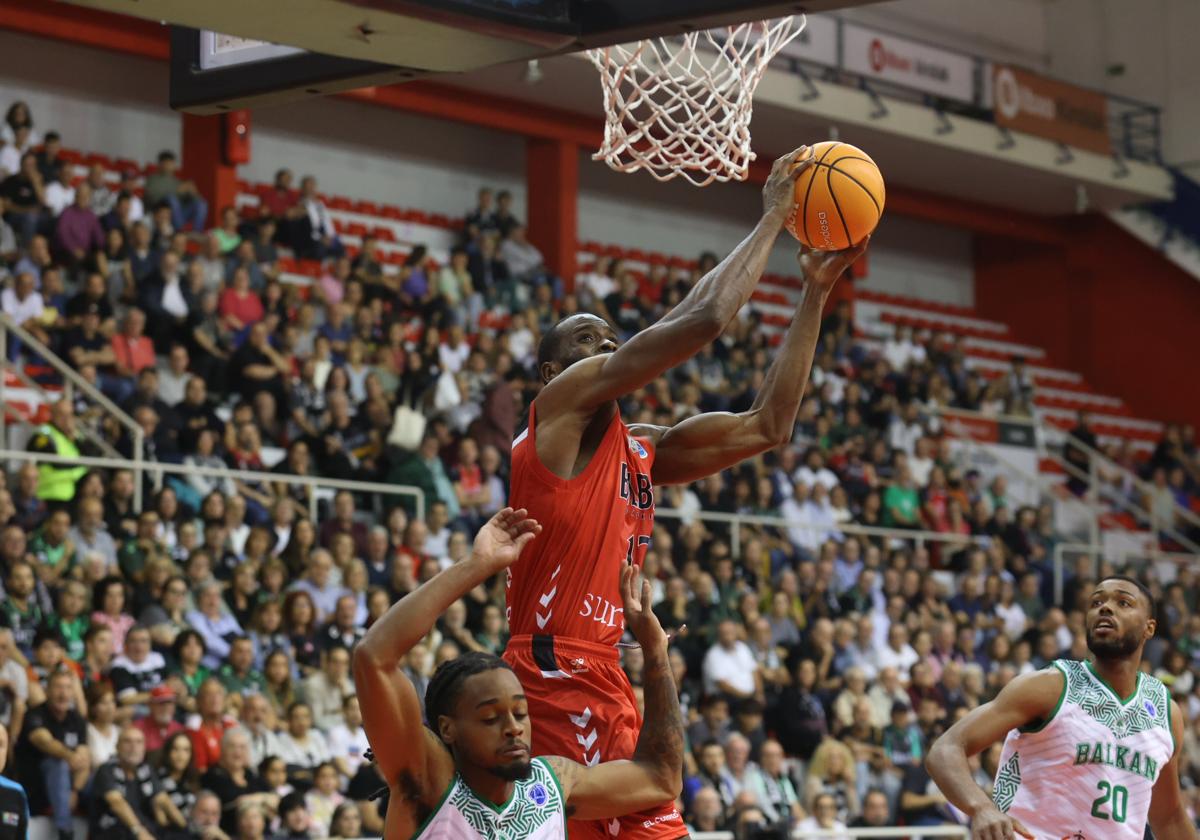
(188, 663)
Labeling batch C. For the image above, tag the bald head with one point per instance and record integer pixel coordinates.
(572, 339)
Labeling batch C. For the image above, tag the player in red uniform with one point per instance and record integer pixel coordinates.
(589, 479)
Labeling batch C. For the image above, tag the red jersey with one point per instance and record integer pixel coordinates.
(568, 581)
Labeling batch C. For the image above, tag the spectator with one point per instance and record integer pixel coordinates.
(300, 623)
(215, 626)
(323, 800)
(325, 691)
(824, 819)
(234, 783)
(522, 259)
(165, 186)
(257, 720)
(24, 197)
(344, 628)
(773, 789)
(313, 234)
(177, 778)
(52, 753)
(205, 822)
(22, 302)
(348, 740)
(344, 521)
(238, 674)
(207, 730)
(160, 727)
(137, 671)
(346, 822)
(295, 819)
(126, 795)
(832, 773)
(78, 237)
(729, 666)
(302, 747)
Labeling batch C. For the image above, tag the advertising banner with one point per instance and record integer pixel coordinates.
(922, 67)
(1025, 101)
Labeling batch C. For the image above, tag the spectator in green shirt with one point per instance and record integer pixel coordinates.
(53, 548)
(238, 674)
(901, 504)
(71, 621)
(136, 553)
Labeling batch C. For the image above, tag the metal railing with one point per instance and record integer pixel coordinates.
(1097, 459)
(73, 377)
(881, 833)
(737, 520)
(159, 468)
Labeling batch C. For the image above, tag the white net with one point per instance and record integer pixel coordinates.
(682, 106)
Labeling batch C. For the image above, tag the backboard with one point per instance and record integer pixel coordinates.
(224, 53)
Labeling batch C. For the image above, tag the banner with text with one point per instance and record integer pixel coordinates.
(890, 58)
(1025, 101)
(818, 42)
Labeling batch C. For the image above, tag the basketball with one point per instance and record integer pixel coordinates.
(839, 199)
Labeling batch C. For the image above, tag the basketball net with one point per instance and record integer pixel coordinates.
(683, 106)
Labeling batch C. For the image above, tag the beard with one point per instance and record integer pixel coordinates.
(514, 771)
(1121, 647)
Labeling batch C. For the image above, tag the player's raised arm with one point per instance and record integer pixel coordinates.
(390, 707)
(1027, 699)
(698, 319)
(655, 774)
(708, 443)
(1168, 812)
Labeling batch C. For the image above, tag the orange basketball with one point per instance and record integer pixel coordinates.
(839, 199)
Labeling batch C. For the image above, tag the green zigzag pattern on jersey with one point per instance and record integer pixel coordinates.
(1100, 704)
(1008, 782)
(521, 818)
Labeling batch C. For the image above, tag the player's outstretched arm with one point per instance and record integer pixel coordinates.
(390, 707)
(708, 443)
(698, 319)
(1027, 699)
(1168, 813)
(655, 774)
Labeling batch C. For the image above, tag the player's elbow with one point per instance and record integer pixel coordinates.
(670, 784)
(937, 755)
(369, 655)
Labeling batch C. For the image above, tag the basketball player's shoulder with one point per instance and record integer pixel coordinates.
(1040, 693)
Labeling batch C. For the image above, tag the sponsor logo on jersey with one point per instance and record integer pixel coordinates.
(661, 818)
(636, 446)
(1150, 708)
(538, 795)
(12, 818)
(1078, 835)
(603, 611)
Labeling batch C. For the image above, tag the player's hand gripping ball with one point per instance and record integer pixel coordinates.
(839, 198)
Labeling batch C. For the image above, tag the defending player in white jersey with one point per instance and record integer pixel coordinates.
(469, 776)
(1091, 749)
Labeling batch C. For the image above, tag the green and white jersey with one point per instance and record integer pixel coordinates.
(1087, 771)
(536, 811)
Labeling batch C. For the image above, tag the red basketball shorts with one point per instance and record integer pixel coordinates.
(583, 708)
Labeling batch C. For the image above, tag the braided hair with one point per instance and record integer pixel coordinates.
(445, 687)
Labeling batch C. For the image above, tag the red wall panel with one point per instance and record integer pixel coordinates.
(1104, 304)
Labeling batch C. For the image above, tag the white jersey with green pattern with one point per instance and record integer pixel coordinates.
(1086, 772)
(536, 811)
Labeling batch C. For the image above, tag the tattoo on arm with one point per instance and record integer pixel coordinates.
(660, 742)
(567, 772)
